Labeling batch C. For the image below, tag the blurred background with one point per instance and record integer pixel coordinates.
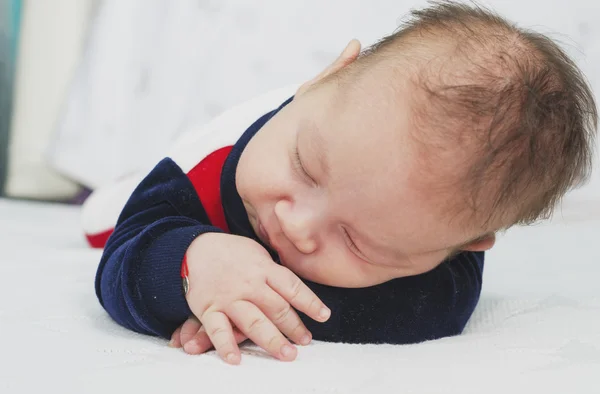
(93, 89)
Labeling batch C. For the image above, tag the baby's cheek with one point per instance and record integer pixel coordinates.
(307, 270)
(427, 262)
(345, 272)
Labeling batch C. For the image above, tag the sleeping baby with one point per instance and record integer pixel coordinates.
(359, 209)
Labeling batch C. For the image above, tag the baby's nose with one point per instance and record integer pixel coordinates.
(305, 245)
(297, 226)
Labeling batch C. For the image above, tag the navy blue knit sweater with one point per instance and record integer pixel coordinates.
(138, 280)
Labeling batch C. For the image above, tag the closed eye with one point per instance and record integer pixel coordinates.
(351, 245)
(299, 167)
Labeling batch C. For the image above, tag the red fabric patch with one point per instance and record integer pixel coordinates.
(99, 240)
(184, 268)
(206, 178)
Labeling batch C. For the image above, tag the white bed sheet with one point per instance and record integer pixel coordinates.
(536, 329)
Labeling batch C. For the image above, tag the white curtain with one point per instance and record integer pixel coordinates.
(52, 34)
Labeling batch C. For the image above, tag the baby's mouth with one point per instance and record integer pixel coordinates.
(270, 243)
(263, 234)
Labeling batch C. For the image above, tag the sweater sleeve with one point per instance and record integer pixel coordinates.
(138, 280)
(407, 310)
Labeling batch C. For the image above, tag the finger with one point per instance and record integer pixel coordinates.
(189, 329)
(219, 330)
(252, 321)
(175, 341)
(201, 342)
(292, 289)
(285, 318)
(239, 336)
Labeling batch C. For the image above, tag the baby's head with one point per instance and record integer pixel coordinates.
(456, 127)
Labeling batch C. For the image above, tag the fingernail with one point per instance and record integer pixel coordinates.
(286, 351)
(232, 358)
(191, 347)
(305, 340)
(324, 313)
(171, 343)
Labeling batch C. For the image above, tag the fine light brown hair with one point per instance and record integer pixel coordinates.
(520, 103)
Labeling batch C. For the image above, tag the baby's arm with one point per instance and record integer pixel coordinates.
(138, 280)
(230, 277)
(406, 310)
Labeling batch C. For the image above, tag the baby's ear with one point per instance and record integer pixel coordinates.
(481, 244)
(348, 56)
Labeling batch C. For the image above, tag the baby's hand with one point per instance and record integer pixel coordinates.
(233, 282)
(192, 336)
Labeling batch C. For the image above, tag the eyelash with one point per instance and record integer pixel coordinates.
(298, 165)
(350, 243)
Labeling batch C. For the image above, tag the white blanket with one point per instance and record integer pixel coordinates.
(536, 329)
